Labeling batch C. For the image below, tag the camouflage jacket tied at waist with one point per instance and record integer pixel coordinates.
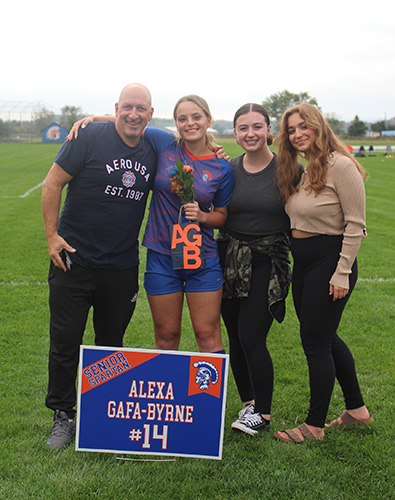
(238, 268)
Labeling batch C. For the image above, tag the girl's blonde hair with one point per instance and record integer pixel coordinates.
(199, 101)
(325, 142)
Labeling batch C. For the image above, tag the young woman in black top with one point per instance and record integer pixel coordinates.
(254, 253)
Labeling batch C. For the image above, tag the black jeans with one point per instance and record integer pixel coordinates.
(112, 294)
(328, 356)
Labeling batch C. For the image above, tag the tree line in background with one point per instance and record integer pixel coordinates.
(275, 104)
(42, 117)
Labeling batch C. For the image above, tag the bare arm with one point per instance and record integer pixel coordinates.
(84, 122)
(51, 197)
(215, 218)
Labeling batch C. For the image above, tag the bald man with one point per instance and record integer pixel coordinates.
(93, 244)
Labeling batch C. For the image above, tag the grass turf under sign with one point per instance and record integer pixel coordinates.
(350, 464)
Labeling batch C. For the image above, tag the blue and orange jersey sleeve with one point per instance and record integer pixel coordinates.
(159, 139)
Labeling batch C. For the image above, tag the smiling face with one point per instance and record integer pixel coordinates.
(251, 131)
(133, 112)
(192, 122)
(300, 135)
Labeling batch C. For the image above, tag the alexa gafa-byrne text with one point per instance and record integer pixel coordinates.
(139, 389)
(134, 410)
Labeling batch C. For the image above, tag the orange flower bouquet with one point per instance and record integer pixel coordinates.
(181, 178)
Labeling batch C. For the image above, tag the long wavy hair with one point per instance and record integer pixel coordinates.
(199, 101)
(324, 144)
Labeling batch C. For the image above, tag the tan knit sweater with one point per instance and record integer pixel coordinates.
(338, 209)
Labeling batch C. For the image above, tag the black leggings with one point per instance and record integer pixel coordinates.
(248, 322)
(315, 261)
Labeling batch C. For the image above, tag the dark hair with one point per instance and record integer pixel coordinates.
(251, 106)
(258, 108)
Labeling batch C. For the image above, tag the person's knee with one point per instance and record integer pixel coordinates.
(316, 348)
(209, 338)
(167, 339)
(212, 344)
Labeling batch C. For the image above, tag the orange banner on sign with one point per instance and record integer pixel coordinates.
(205, 375)
(110, 367)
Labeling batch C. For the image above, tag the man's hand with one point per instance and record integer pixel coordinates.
(53, 185)
(55, 245)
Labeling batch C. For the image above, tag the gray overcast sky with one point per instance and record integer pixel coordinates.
(341, 52)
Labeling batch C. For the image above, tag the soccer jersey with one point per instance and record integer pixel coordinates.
(213, 185)
(106, 199)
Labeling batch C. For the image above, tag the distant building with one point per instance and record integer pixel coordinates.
(371, 133)
(54, 133)
(390, 133)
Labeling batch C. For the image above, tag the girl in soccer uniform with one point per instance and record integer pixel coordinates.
(213, 186)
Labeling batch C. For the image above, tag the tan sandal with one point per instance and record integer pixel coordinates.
(346, 420)
(295, 438)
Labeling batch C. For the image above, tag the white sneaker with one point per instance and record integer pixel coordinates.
(247, 409)
(255, 422)
(239, 423)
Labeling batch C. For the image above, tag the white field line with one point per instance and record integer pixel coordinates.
(23, 283)
(377, 280)
(24, 195)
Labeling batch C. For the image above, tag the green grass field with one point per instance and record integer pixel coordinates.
(350, 464)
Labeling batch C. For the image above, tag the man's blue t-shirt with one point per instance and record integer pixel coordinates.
(213, 185)
(107, 196)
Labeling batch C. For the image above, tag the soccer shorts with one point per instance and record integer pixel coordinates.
(160, 278)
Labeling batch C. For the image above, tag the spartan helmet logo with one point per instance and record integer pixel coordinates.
(205, 374)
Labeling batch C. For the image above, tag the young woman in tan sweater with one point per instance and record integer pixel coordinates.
(326, 207)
